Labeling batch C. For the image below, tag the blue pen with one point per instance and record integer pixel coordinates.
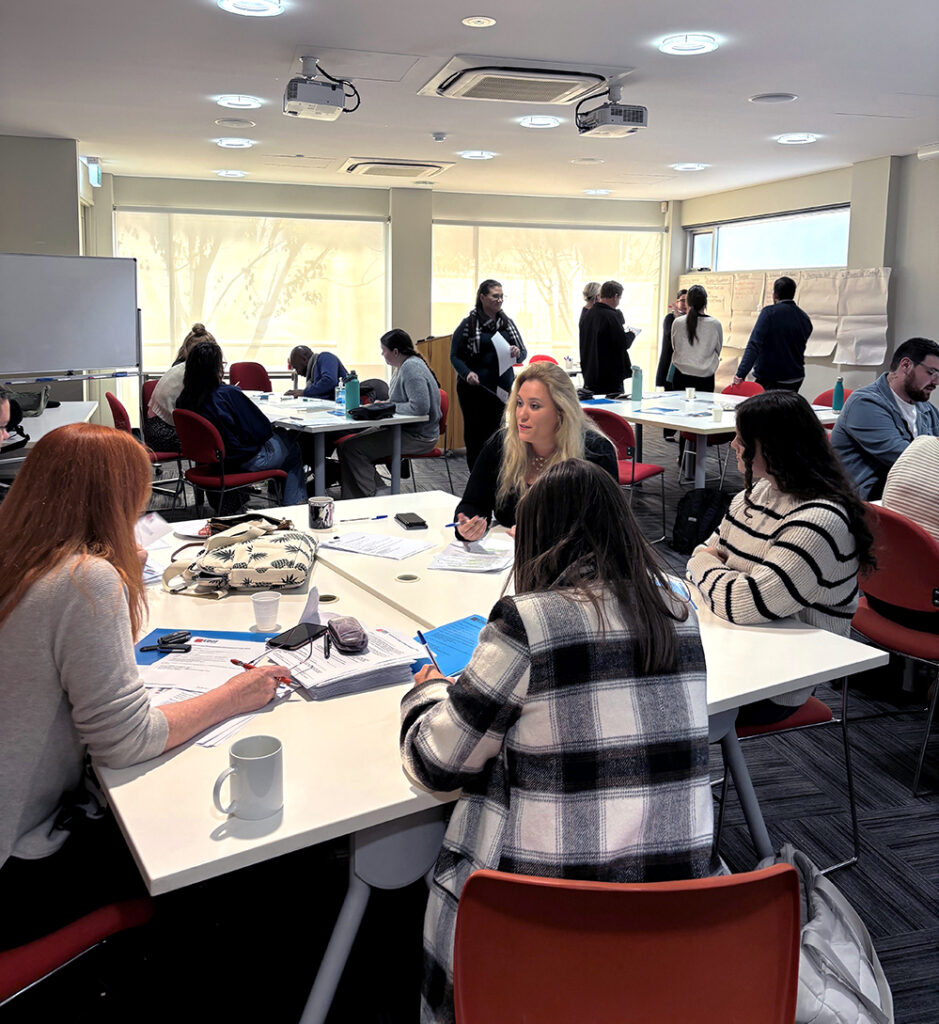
(362, 519)
(430, 653)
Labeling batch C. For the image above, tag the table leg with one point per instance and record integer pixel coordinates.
(700, 461)
(385, 856)
(396, 459)
(319, 465)
(737, 766)
(637, 430)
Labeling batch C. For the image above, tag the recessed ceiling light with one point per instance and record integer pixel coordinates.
(479, 21)
(539, 121)
(796, 138)
(231, 174)
(235, 122)
(688, 44)
(253, 8)
(773, 97)
(235, 143)
(587, 161)
(239, 101)
(688, 167)
(597, 191)
(476, 154)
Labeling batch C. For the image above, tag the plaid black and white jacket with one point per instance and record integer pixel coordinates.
(571, 765)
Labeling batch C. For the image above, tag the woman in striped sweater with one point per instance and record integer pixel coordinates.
(793, 541)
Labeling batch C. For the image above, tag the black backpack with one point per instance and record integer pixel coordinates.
(699, 514)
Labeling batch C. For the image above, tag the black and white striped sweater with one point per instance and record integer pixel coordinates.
(786, 556)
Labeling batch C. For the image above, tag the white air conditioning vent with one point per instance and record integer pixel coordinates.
(508, 80)
(413, 169)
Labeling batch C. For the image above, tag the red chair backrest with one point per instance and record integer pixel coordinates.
(148, 386)
(907, 573)
(199, 441)
(705, 950)
(250, 377)
(121, 419)
(616, 429)
(745, 387)
(827, 397)
(543, 359)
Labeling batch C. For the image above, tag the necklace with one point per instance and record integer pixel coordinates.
(538, 462)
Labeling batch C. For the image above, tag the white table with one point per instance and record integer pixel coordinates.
(318, 417)
(343, 773)
(38, 426)
(672, 411)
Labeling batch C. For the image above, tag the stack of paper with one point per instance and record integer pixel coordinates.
(493, 554)
(376, 544)
(385, 661)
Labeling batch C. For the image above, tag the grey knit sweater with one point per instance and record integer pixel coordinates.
(69, 682)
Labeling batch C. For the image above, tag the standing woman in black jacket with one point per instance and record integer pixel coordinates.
(481, 389)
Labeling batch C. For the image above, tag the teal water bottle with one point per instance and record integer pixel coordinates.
(837, 398)
(637, 384)
(352, 391)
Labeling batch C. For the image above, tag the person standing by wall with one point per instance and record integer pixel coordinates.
(776, 349)
(604, 343)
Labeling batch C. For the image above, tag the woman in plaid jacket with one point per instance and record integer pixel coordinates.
(578, 732)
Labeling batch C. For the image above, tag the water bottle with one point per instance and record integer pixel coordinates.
(637, 385)
(837, 398)
(352, 391)
(341, 396)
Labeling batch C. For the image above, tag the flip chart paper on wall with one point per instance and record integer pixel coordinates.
(770, 278)
(862, 340)
(864, 292)
(819, 292)
(741, 324)
(824, 336)
(720, 289)
(748, 294)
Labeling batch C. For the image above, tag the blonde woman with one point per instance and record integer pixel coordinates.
(591, 291)
(544, 425)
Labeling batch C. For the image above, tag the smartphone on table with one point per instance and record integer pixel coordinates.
(297, 636)
(410, 521)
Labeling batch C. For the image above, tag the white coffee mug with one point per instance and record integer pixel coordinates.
(257, 778)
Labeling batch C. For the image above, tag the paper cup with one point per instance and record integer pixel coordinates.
(265, 609)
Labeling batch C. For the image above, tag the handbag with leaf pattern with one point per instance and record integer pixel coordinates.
(253, 555)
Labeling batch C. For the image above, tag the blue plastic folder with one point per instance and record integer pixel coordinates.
(597, 401)
(453, 643)
(152, 657)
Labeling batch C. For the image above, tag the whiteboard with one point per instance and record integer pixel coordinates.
(60, 313)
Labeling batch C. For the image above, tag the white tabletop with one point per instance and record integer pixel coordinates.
(342, 764)
(60, 416)
(317, 415)
(672, 410)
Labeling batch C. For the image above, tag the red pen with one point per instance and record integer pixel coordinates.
(247, 664)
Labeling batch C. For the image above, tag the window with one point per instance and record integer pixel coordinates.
(543, 272)
(818, 238)
(259, 284)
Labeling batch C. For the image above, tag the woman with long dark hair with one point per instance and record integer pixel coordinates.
(251, 443)
(158, 429)
(697, 340)
(482, 390)
(578, 731)
(415, 392)
(793, 540)
(71, 604)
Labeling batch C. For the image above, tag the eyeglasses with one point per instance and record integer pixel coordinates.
(933, 371)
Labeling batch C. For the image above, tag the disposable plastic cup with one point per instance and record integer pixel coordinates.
(265, 609)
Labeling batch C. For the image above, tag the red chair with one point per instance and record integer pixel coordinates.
(708, 950)
(812, 713)
(624, 441)
(24, 966)
(907, 577)
(543, 359)
(202, 444)
(158, 459)
(747, 388)
(250, 377)
(148, 388)
(437, 453)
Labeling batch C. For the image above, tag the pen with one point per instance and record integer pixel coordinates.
(430, 653)
(447, 526)
(248, 664)
(362, 519)
(327, 645)
(168, 648)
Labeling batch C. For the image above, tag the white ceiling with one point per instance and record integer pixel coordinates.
(135, 81)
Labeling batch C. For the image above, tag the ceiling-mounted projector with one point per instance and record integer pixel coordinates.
(311, 97)
(613, 120)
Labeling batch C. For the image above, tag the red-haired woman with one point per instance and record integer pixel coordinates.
(71, 602)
